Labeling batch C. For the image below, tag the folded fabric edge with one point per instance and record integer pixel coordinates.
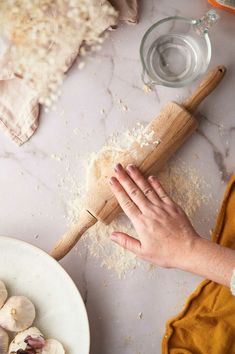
(215, 238)
(169, 328)
(220, 218)
(31, 130)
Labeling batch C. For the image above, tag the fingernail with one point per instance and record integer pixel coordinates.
(112, 180)
(118, 167)
(113, 236)
(131, 168)
(152, 178)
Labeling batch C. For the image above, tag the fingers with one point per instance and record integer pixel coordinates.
(131, 188)
(127, 205)
(160, 190)
(134, 193)
(127, 242)
(143, 184)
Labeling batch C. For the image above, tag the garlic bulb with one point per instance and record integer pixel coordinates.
(4, 342)
(3, 294)
(17, 314)
(53, 347)
(30, 338)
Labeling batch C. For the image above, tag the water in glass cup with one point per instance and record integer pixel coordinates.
(174, 57)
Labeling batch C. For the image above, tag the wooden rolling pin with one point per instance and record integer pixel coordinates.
(161, 138)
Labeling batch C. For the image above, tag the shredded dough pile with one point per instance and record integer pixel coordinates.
(180, 181)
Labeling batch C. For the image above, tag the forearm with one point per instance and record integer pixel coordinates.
(210, 261)
(166, 236)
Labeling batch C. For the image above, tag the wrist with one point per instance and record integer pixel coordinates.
(210, 260)
(186, 256)
(198, 257)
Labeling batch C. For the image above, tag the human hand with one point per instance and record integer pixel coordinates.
(166, 236)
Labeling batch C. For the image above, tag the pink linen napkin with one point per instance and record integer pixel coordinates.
(19, 107)
(19, 110)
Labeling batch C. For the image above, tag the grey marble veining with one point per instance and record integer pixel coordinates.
(34, 200)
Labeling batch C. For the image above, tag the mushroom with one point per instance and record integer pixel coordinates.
(52, 346)
(29, 340)
(3, 294)
(4, 341)
(17, 314)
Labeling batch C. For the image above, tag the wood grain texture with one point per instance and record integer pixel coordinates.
(207, 85)
(71, 237)
(168, 132)
(171, 128)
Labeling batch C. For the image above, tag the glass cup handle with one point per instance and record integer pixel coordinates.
(203, 24)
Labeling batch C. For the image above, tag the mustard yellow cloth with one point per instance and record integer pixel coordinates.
(207, 323)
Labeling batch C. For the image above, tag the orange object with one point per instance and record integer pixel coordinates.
(224, 6)
(207, 323)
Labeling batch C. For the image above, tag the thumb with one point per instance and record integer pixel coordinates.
(126, 241)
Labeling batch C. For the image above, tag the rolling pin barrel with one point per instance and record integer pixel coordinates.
(171, 128)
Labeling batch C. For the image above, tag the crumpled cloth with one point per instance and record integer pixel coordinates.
(207, 323)
(19, 107)
(19, 110)
(128, 10)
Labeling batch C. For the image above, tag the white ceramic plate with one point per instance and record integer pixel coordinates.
(61, 314)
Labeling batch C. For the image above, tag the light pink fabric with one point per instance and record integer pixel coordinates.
(19, 108)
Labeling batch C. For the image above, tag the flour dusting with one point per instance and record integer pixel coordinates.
(180, 180)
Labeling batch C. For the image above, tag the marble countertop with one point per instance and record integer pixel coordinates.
(34, 209)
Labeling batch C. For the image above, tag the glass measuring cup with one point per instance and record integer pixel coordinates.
(176, 50)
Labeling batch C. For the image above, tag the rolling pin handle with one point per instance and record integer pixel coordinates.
(207, 85)
(175, 125)
(69, 239)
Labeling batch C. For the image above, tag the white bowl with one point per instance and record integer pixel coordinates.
(61, 314)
